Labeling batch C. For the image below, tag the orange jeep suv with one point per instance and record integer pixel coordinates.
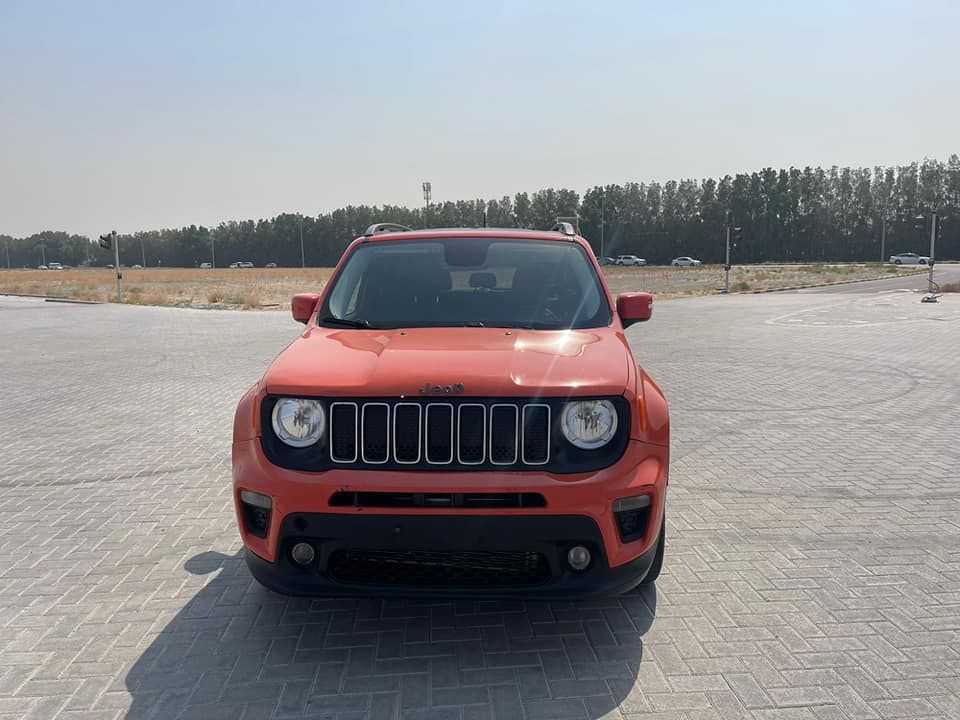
(461, 415)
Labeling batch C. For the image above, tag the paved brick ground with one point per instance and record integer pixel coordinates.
(813, 567)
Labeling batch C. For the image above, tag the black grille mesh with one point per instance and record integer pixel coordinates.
(503, 434)
(536, 434)
(375, 433)
(426, 568)
(470, 448)
(407, 432)
(343, 418)
(439, 433)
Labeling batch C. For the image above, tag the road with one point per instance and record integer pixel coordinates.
(812, 568)
(943, 273)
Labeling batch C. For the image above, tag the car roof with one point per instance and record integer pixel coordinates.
(438, 233)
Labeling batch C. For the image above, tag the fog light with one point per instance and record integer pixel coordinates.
(578, 557)
(302, 553)
(256, 499)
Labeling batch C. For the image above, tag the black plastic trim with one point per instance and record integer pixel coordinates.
(564, 458)
(550, 535)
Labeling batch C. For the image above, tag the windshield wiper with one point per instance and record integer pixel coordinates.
(346, 323)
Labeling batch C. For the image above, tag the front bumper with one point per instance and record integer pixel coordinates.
(479, 556)
(578, 510)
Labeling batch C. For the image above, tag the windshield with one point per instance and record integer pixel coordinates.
(467, 282)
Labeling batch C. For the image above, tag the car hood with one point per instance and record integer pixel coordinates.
(487, 362)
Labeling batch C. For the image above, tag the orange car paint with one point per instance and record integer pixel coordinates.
(490, 362)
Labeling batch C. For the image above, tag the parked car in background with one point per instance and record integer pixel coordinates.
(136, 267)
(42, 267)
(629, 260)
(685, 261)
(909, 259)
(270, 265)
(54, 266)
(206, 266)
(245, 264)
(607, 261)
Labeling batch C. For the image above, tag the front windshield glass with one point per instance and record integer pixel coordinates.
(467, 282)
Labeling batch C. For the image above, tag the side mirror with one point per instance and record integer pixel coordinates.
(634, 307)
(303, 306)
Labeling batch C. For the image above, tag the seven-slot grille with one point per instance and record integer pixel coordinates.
(439, 433)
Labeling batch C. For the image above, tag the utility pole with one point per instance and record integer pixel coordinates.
(143, 254)
(726, 265)
(603, 211)
(6, 245)
(303, 262)
(883, 239)
(43, 254)
(213, 252)
(933, 244)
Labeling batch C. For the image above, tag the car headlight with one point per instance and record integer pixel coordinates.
(299, 422)
(589, 424)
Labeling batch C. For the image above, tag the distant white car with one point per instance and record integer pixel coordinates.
(54, 266)
(206, 266)
(629, 260)
(42, 267)
(909, 259)
(241, 264)
(685, 262)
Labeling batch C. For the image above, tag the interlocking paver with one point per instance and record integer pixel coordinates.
(812, 566)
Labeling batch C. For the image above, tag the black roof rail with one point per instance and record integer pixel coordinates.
(378, 228)
(564, 227)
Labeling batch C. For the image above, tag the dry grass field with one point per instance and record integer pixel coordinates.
(272, 288)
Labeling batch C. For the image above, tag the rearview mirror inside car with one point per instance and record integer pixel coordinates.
(634, 307)
(303, 305)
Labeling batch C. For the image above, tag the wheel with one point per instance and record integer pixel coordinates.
(657, 565)
(676, 264)
(897, 262)
(921, 262)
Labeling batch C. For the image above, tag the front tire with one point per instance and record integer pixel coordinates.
(897, 262)
(654, 572)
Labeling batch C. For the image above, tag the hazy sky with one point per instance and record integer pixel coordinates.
(135, 115)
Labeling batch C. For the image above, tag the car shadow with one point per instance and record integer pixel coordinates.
(237, 650)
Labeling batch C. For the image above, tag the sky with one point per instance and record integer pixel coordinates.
(136, 116)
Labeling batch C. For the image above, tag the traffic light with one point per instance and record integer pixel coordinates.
(106, 241)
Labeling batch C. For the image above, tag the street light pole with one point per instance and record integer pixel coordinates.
(303, 262)
(143, 254)
(883, 239)
(726, 265)
(213, 252)
(603, 208)
(933, 244)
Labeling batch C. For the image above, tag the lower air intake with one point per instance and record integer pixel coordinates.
(424, 568)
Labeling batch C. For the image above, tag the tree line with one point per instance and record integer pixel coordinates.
(793, 215)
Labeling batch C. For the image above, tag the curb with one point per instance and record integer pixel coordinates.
(49, 298)
(71, 301)
(829, 284)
